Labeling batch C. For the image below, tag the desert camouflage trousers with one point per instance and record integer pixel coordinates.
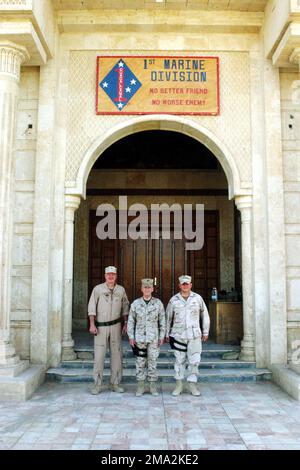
(146, 366)
(190, 358)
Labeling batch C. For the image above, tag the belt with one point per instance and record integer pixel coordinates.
(139, 352)
(107, 323)
(174, 345)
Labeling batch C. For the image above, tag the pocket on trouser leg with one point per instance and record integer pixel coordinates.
(140, 368)
(179, 366)
(194, 358)
(152, 371)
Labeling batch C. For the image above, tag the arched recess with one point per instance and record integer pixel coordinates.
(242, 196)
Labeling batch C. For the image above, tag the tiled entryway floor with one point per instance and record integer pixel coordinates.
(226, 416)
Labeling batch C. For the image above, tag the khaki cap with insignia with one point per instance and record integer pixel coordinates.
(185, 279)
(147, 282)
(111, 269)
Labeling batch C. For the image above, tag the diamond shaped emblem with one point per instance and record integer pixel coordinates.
(120, 84)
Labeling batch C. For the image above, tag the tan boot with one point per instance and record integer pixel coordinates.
(194, 390)
(140, 388)
(153, 389)
(116, 388)
(95, 389)
(178, 389)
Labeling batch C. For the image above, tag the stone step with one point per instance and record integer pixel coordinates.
(162, 363)
(22, 386)
(65, 375)
(87, 353)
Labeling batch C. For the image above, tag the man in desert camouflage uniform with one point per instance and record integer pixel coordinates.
(108, 312)
(186, 311)
(146, 332)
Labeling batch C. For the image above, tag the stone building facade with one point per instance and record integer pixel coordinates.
(51, 138)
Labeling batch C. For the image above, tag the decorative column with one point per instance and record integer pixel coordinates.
(71, 205)
(11, 58)
(244, 205)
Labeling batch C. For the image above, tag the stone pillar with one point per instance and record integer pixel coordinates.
(11, 58)
(275, 217)
(43, 318)
(71, 205)
(244, 205)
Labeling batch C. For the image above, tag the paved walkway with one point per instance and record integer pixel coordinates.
(226, 416)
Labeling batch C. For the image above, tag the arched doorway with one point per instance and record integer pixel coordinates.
(160, 167)
(230, 175)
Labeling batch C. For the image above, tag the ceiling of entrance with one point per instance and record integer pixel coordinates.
(237, 5)
(157, 149)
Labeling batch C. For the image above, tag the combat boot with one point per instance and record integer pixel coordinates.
(140, 388)
(178, 389)
(116, 388)
(153, 389)
(194, 390)
(95, 389)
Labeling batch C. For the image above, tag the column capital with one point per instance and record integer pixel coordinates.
(12, 57)
(243, 202)
(295, 56)
(72, 202)
(244, 205)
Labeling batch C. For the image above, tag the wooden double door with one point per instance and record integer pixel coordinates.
(162, 260)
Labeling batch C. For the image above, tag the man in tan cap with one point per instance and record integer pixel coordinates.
(186, 311)
(146, 332)
(108, 312)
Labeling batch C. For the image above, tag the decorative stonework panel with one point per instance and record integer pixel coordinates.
(232, 127)
(15, 4)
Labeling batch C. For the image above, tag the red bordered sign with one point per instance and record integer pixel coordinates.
(158, 85)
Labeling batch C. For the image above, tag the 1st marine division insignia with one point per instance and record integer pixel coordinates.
(120, 84)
